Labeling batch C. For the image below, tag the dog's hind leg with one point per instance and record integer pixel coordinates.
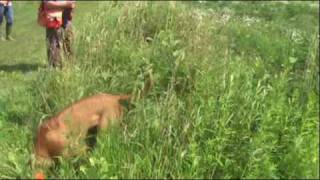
(91, 138)
(91, 134)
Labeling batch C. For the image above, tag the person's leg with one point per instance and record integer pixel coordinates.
(1, 20)
(53, 37)
(68, 38)
(9, 19)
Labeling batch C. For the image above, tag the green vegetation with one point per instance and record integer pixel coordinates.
(236, 90)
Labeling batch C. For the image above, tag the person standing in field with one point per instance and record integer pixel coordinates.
(6, 10)
(56, 17)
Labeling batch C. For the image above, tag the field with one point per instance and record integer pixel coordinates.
(236, 90)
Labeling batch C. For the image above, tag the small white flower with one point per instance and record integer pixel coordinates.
(250, 20)
(296, 36)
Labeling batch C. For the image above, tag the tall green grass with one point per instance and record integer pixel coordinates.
(236, 95)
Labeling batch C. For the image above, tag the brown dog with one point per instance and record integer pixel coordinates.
(62, 134)
(74, 123)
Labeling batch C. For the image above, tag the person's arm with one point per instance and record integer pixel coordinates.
(9, 3)
(59, 4)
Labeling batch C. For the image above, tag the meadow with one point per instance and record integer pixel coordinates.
(236, 90)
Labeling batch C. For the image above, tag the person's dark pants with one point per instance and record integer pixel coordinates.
(57, 40)
(54, 46)
(7, 12)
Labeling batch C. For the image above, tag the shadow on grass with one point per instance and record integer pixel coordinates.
(20, 67)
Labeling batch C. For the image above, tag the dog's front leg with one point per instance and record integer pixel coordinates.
(103, 121)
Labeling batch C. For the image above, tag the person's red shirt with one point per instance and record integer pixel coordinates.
(6, 3)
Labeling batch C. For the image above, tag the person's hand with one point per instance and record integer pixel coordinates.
(72, 4)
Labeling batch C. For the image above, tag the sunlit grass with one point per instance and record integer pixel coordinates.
(236, 93)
